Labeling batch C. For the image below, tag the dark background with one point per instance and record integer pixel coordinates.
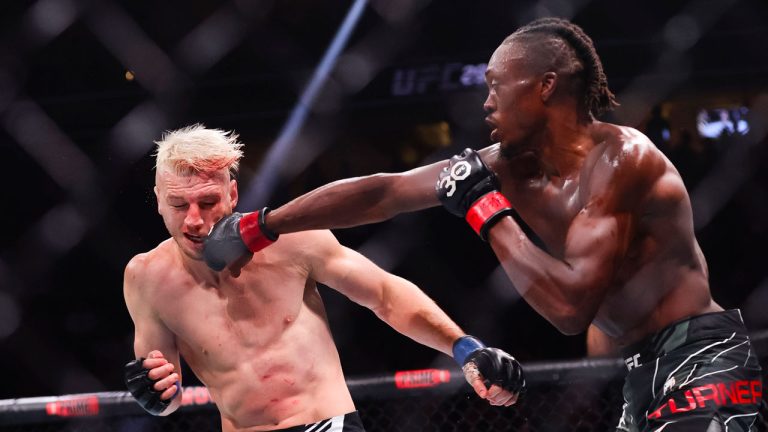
(76, 137)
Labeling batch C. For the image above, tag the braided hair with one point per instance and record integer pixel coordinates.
(571, 51)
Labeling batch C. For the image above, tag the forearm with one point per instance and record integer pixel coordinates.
(412, 313)
(357, 201)
(551, 286)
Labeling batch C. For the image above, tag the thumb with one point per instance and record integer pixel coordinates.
(479, 387)
(237, 266)
(475, 379)
(155, 354)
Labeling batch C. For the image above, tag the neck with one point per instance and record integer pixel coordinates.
(563, 145)
(199, 270)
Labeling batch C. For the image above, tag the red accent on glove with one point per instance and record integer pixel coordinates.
(485, 207)
(251, 233)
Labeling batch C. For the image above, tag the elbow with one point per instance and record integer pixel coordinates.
(572, 320)
(383, 312)
(571, 328)
(382, 307)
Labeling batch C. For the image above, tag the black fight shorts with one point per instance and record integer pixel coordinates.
(699, 374)
(343, 423)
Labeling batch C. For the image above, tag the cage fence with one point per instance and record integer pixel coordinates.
(577, 396)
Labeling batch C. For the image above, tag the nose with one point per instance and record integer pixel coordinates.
(193, 219)
(489, 106)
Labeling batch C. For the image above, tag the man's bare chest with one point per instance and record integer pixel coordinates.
(245, 312)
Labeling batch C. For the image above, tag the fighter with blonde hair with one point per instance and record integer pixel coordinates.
(261, 342)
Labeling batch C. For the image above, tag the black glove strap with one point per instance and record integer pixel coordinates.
(268, 233)
(491, 221)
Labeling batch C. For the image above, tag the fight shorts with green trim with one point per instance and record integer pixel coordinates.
(699, 374)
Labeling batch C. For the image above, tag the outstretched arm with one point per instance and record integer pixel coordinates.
(344, 203)
(358, 201)
(341, 204)
(155, 381)
(398, 302)
(494, 374)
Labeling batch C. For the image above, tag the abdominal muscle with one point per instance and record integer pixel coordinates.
(292, 378)
(658, 296)
(286, 395)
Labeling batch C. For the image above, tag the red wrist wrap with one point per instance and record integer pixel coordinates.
(489, 205)
(252, 234)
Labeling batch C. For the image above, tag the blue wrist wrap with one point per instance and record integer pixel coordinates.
(464, 346)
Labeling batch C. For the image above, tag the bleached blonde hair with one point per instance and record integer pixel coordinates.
(196, 149)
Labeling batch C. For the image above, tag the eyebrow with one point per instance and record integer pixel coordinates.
(200, 198)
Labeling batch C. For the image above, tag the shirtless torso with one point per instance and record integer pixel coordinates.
(659, 274)
(260, 342)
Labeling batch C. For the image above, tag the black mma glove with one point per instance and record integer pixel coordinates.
(495, 366)
(236, 235)
(469, 189)
(141, 387)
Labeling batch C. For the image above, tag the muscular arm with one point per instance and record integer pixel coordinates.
(398, 302)
(569, 290)
(358, 201)
(150, 333)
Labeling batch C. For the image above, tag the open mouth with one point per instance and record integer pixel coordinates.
(194, 238)
(495, 135)
(494, 129)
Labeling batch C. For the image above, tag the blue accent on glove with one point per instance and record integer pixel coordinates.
(464, 346)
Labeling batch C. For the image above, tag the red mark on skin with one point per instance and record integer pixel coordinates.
(266, 377)
(274, 400)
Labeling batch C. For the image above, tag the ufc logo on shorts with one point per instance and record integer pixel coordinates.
(459, 171)
(632, 362)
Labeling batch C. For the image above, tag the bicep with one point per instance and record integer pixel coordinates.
(351, 274)
(600, 234)
(150, 333)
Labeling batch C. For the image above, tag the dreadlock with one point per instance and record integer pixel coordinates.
(597, 98)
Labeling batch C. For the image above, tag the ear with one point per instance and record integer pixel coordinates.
(158, 198)
(548, 85)
(233, 192)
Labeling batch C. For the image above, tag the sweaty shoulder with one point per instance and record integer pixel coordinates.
(625, 166)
